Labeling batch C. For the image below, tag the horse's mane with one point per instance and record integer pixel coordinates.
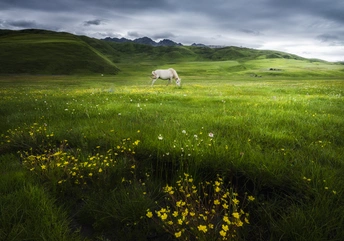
(175, 75)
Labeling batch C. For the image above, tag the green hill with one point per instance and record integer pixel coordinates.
(47, 52)
(35, 51)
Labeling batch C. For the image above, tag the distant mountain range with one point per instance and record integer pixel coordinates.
(144, 40)
(149, 41)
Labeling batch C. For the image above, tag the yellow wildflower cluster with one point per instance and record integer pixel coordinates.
(63, 165)
(34, 135)
(207, 212)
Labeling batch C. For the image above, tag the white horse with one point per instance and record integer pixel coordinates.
(166, 74)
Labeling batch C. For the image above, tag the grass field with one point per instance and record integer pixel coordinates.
(238, 152)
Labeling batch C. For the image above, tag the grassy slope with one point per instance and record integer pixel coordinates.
(45, 52)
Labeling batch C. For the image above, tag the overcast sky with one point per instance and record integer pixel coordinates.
(309, 28)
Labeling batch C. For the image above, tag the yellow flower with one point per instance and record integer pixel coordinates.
(235, 201)
(164, 216)
(163, 210)
(236, 215)
(185, 213)
(178, 234)
(175, 214)
(225, 227)
(180, 221)
(100, 170)
(44, 167)
(251, 198)
(149, 214)
(90, 174)
(239, 223)
(216, 202)
(225, 206)
(180, 203)
(202, 228)
(226, 219)
(217, 189)
(223, 233)
(169, 190)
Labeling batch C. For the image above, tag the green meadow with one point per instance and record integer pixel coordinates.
(245, 149)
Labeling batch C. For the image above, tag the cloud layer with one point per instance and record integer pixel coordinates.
(310, 28)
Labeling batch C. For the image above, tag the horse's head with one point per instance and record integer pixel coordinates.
(178, 81)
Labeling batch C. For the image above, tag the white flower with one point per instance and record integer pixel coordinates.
(184, 131)
(160, 137)
(211, 135)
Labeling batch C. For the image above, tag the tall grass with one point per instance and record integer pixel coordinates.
(28, 212)
(276, 139)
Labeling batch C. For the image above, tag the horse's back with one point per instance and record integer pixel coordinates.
(164, 73)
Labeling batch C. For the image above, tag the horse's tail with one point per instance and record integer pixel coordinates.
(153, 74)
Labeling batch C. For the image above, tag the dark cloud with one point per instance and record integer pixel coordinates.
(332, 10)
(133, 34)
(332, 40)
(48, 5)
(84, 5)
(18, 24)
(23, 24)
(327, 37)
(251, 32)
(93, 22)
(164, 35)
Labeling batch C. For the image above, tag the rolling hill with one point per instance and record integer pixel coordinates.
(47, 52)
(34, 51)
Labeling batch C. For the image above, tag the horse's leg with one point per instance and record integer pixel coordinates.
(153, 81)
